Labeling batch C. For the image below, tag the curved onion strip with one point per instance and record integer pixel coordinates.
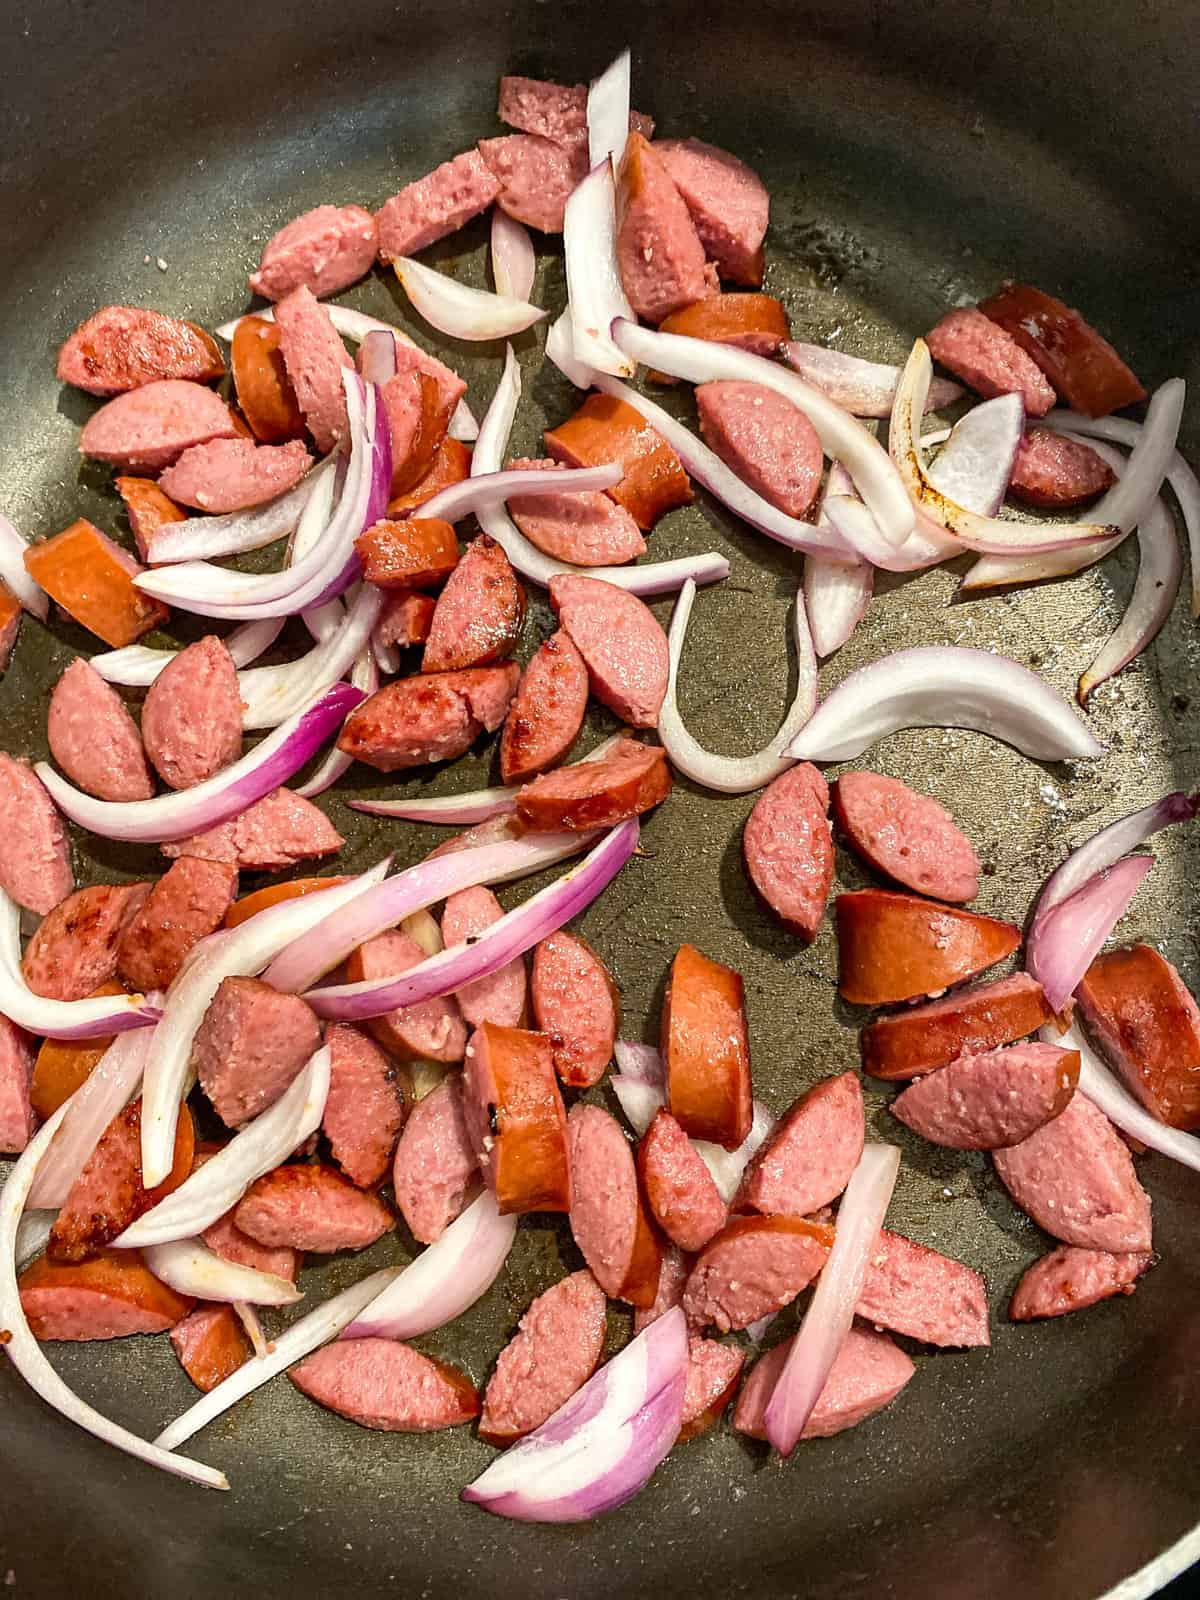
(595, 294)
(60, 1019)
(14, 573)
(248, 1318)
(237, 952)
(445, 1279)
(217, 799)
(992, 535)
(1131, 497)
(600, 1448)
(831, 1310)
(1106, 1091)
(205, 538)
(560, 350)
(836, 593)
(926, 546)
(321, 1325)
(459, 310)
(487, 491)
(658, 577)
(364, 676)
(320, 620)
(271, 695)
(1071, 934)
(23, 1350)
(735, 774)
(514, 263)
(507, 938)
(1160, 572)
(217, 1186)
(976, 463)
(103, 1094)
(137, 665)
(463, 810)
(189, 1267)
(945, 687)
(608, 112)
(864, 388)
(326, 945)
(842, 436)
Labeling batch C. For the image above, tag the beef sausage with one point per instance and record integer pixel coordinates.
(713, 1371)
(1071, 1279)
(325, 250)
(277, 831)
(120, 348)
(556, 1349)
(250, 1046)
(35, 858)
(417, 553)
(405, 619)
(896, 947)
(314, 359)
(479, 613)
(417, 421)
(233, 474)
(264, 390)
(672, 1279)
(148, 509)
(110, 1297)
(659, 254)
(75, 948)
(91, 578)
(536, 177)
(94, 739)
(587, 530)
(679, 1188)
(597, 794)
(707, 1050)
(225, 1239)
(990, 1101)
(729, 205)
(970, 1022)
(924, 1295)
(17, 1118)
(500, 997)
(558, 111)
(621, 642)
(988, 359)
(605, 429)
(435, 205)
(868, 1373)
(577, 1005)
(1141, 1014)
(366, 1106)
(1083, 367)
(547, 711)
(311, 1207)
(211, 1345)
(148, 428)
(192, 716)
(381, 1383)
(754, 1266)
(430, 717)
(516, 1120)
(807, 1159)
(609, 1219)
(431, 1030)
(435, 1163)
(787, 846)
(1054, 472)
(186, 904)
(754, 322)
(906, 836)
(767, 441)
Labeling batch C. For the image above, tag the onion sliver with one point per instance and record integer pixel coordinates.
(976, 463)
(1160, 572)
(102, 1095)
(459, 310)
(15, 574)
(321, 1325)
(445, 1279)
(831, 1310)
(1072, 933)
(507, 938)
(377, 355)
(364, 676)
(945, 687)
(486, 491)
(205, 538)
(271, 695)
(514, 263)
(836, 593)
(189, 1267)
(864, 388)
(560, 350)
(926, 546)
(608, 112)
(137, 665)
(24, 1351)
(208, 804)
(595, 294)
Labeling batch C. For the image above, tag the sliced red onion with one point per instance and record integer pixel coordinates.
(842, 436)
(945, 687)
(206, 538)
(1072, 933)
(1106, 1091)
(1132, 496)
(560, 349)
(600, 1448)
(976, 463)
(272, 695)
(33, 1235)
(377, 357)
(137, 665)
(304, 1336)
(103, 1094)
(1160, 572)
(463, 810)
(509, 937)
(756, 1332)
(459, 310)
(993, 535)
(831, 1310)
(641, 1063)
(248, 1318)
(60, 1019)
(15, 574)
(237, 952)
(727, 1166)
(208, 804)
(735, 774)
(220, 1183)
(659, 577)
(189, 1267)
(23, 1350)
(836, 593)
(864, 388)
(445, 1279)
(327, 944)
(514, 264)
(608, 112)
(595, 294)
(322, 621)
(365, 677)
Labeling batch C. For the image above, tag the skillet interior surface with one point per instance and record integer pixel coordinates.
(914, 155)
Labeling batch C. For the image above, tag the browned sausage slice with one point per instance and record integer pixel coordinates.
(435, 205)
(896, 947)
(431, 1030)
(1082, 366)
(587, 530)
(383, 1384)
(326, 249)
(991, 1101)
(314, 359)
(417, 553)
(555, 1351)
(311, 1207)
(110, 1297)
(547, 712)
(1054, 472)
(94, 739)
(435, 1163)
(35, 857)
(123, 347)
(678, 1186)
(405, 619)
(74, 950)
(250, 1046)
(188, 902)
(988, 359)
(754, 1266)
(868, 1373)
(925, 1295)
(17, 1117)
(1070, 1279)
(516, 1120)
(211, 1345)
(577, 1004)
(1142, 1015)
(672, 1280)
(605, 429)
(806, 1160)
(479, 613)
(431, 717)
(707, 1050)
(765, 440)
(632, 779)
(659, 254)
(712, 1375)
(233, 474)
(500, 997)
(787, 846)
(264, 390)
(754, 322)
(728, 202)
(192, 716)
(536, 176)
(277, 831)
(609, 1219)
(365, 1109)
(906, 836)
(971, 1022)
(621, 642)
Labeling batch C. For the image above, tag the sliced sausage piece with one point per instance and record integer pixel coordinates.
(587, 530)
(148, 428)
(707, 1050)
(547, 711)
(295, 889)
(417, 553)
(1070, 1279)
(553, 1354)
(314, 358)
(430, 717)
(868, 1373)
(556, 110)
(431, 1030)
(62, 1065)
(990, 1101)
(1075, 1178)
(499, 998)
(435, 1165)
(405, 620)
(325, 250)
(609, 1218)
(108, 1195)
(381, 1383)
(74, 950)
(232, 474)
(577, 1005)
(148, 509)
(659, 254)
(186, 904)
(754, 322)
(435, 205)
(896, 947)
(536, 177)
(755, 1265)
(277, 831)
(417, 421)
(906, 836)
(479, 613)
(10, 624)
(94, 739)
(605, 429)
(250, 1046)
(123, 347)
(672, 1279)
(728, 202)
(1054, 473)
(192, 716)
(1139, 1011)
(622, 643)
(211, 1345)
(451, 465)
(1083, 367)
(450, 387)
(679, 1188)
(925, 1295)
(108, 1298)
(91, 578)
(35, 858)
(988, 359)
(516, 1120)
(712, 1376)
(225, 1239)
(264, 390)
(597, 794)
(766, 440)
(17, 1119)
(365, 1110)
(971, 1022)
(807, 1159)
(787, 845)
(311, 1207)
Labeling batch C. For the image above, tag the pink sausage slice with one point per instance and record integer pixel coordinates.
(499, 998)
(310, 1207)
(430, 717)
(807, 1159)
(435, 205)
(766, 440)
(577, 1004)
(435, 1165)
(365, 1108)
(621, 641)
(787, 846)
(277, 831)
(192, 716)
(729, 205)
(672, 1280)
(231, 474)
(547, 711)
(556, 110)
(607, 1219)
(432, 1030)
(74, 950)
(536, 177)
(120, 348)
(925, 1295)
(383, 1384)
(17, 1118)
(225, 1239)
(325, 250)
(988, 359)
(659, 254)
(1054, 472)
(991, 1101)
(148, 428)
(35, 857)
(867, 1374)
(186, 904)
(250, 1046)
(678, 1186)
(314, 358)
(94, 739)
(906, 836)
(712, 1373)
(587, 530)
(478, 617)
(554, 1352)
(755, 1265)
(1071, 1279)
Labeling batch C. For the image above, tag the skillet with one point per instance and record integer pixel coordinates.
(915, 154)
